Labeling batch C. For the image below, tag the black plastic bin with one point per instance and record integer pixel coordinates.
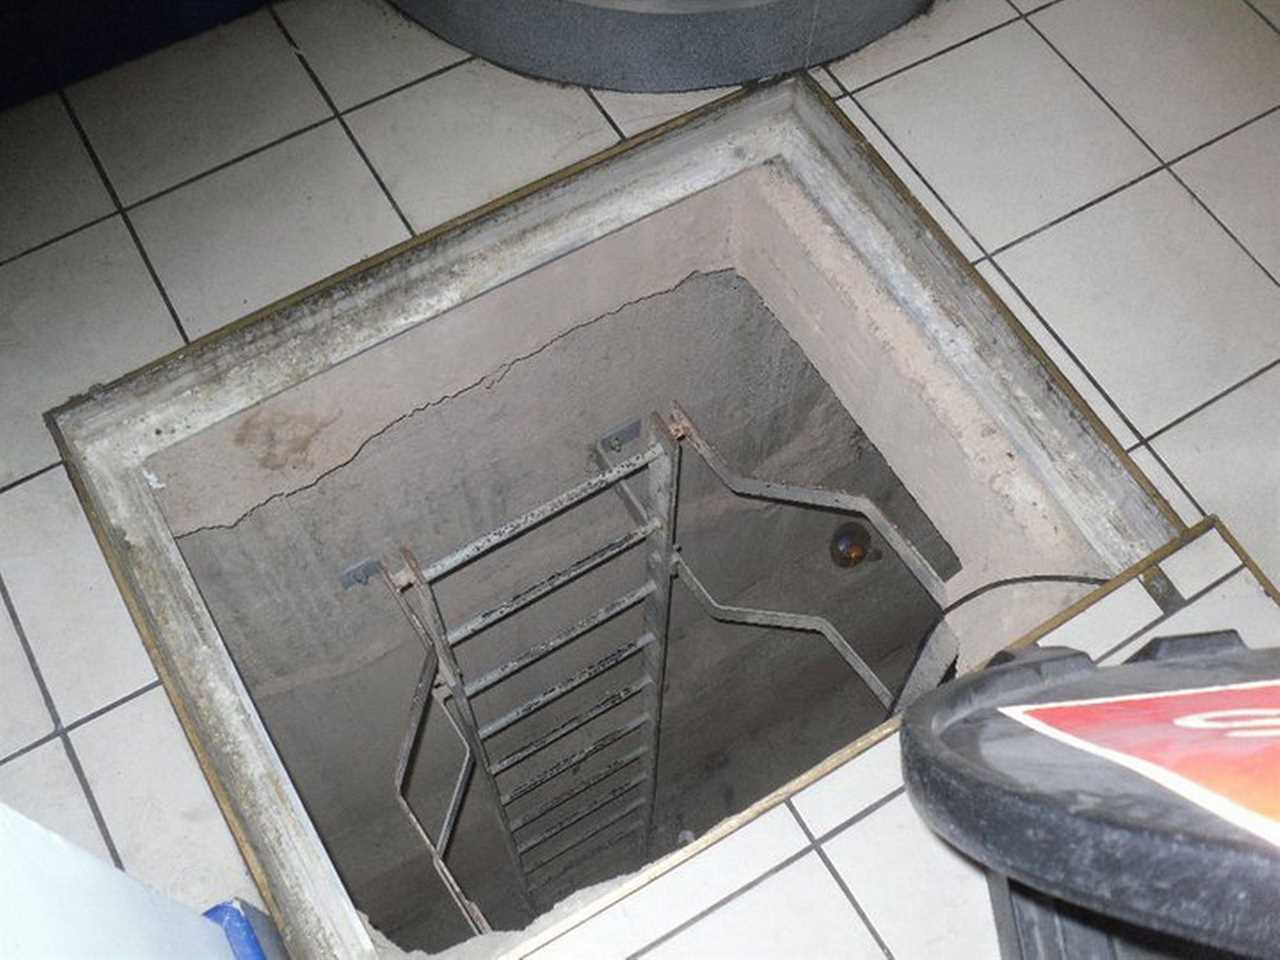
(1136, 827)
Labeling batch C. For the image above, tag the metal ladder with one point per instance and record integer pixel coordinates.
(542, 875)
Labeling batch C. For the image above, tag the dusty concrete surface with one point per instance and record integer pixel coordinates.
(747, 708)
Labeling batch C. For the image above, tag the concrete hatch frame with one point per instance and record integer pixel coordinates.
(787, 129)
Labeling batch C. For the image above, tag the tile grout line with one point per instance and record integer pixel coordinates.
(861, 815)
(898, 71)
(910, 165)
(1186, 491)
(52, 240)
(840, 882)
(591, 95)
(164, 191)
(80, 722)
(990, 258)
(1087, 205)
(59, 732)
(1165, 165)
(812, 844)
(1164, 617)
(337, 115)
(124, 214)
(14, 484)
(1015, 16)
(1265, 18)
(1062, 343)
(219, 167)
(1184, 417)
(723, 901)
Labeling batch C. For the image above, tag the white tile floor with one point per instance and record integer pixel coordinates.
(1110, 165)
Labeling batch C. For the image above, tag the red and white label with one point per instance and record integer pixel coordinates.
(1218, 747)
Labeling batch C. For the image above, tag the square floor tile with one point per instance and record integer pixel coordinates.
(1153, 298)
(922, 897)
(947, 23)
(24, 718)
(266, 227)
(42, 786)
(1200, 563)
(845, 791)
(1006, 133)
(1164, 482)
(158, 808)
(1239, 178)
(83, 640)
(362, 48)
(684, 892)
(1180, 71)
(48, 184)
(1074, 373)
(459, 140)
(78, 312)
(918, 188)
(1238, 604)
(635, 112)
(800, 911)
(178, 112)
(1228, 457)
(1106, 624)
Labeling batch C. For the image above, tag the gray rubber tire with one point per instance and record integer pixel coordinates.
(660, 45)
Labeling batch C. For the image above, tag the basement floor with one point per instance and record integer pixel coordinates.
(1109, 167)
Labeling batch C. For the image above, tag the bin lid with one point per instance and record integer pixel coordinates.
(1149, 792)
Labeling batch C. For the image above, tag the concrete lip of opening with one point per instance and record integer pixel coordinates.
(775, 184)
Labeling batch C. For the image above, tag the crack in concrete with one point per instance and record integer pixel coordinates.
(488, 381)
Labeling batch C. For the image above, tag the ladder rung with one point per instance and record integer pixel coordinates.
(614, 698)
(560, 766)
(633, 807)
(577, 790)
(565, 686)
(589, 854)
(483, 621)
(579, 629)
(564, 824)
(544, 511)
